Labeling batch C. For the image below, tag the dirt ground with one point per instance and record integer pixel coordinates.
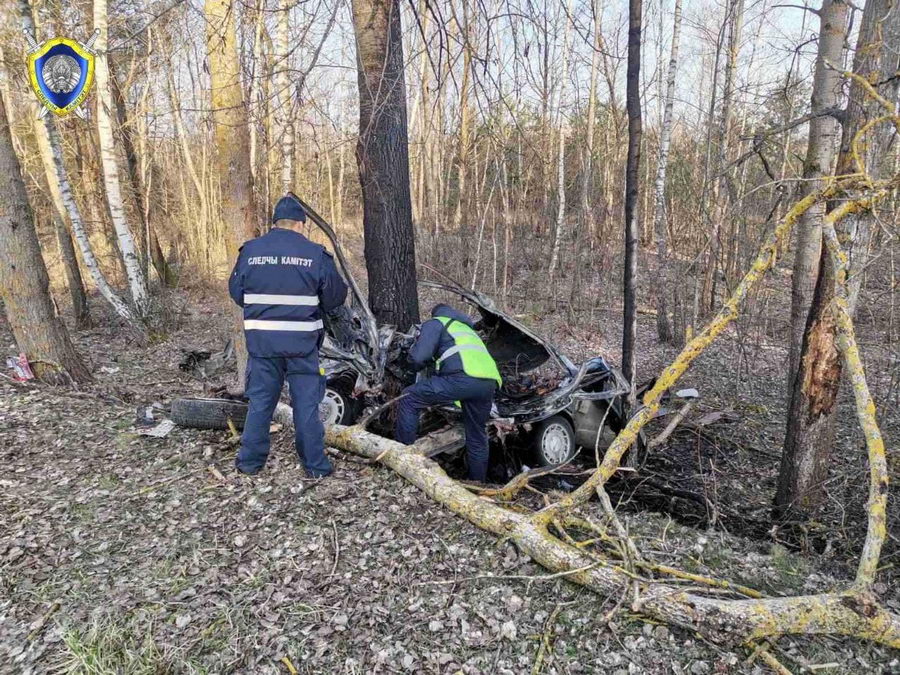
(126, 554)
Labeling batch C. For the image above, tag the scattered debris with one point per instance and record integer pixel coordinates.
(204, 364)
(690, 397)
(726, 416)
(146, 415)
(193, 358)
(21, 368)
(161, 430)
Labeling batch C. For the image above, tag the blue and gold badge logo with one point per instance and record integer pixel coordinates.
(61, 71)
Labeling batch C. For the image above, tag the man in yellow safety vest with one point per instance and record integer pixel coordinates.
(464, 371)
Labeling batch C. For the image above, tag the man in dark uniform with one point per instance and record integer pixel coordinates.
(285, 283)
(465, 372)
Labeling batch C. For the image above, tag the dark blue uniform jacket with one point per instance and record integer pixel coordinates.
(285, 283)
(434, 340)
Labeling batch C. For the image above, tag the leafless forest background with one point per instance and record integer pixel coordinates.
(517, 143)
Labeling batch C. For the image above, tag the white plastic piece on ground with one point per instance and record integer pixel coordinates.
(161, 430)
(687, 393)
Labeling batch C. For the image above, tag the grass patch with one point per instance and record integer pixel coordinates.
(791, 569)
(109, 648)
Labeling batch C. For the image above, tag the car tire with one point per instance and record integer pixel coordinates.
(208, 413)
(338, 406)
(553, 441)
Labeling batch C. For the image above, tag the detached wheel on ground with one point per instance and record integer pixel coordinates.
(553, 441)
(338, 405)
(208, 413)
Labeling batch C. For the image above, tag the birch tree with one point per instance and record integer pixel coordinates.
(824, 134)
(561, 154)
(284, 133)
(663, 328)
(135, 183)
(137, 279)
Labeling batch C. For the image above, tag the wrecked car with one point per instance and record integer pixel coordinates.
(554, 404)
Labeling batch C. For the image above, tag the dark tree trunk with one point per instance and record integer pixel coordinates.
(382, 156)
(632, 177)
(24, 286)
(73, 274)
(811, 416)
(810, 434)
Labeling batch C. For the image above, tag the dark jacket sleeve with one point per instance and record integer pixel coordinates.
(422, 353)
(333, 288)
(236, 281)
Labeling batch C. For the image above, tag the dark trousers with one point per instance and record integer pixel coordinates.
(476, 396)
(265, 378)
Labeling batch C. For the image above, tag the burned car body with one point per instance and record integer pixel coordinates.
(555, 403)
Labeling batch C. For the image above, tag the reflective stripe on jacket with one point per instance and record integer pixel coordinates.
(285, 283)
(468, 345)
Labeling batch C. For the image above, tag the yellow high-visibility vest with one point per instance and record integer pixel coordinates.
(476, 359)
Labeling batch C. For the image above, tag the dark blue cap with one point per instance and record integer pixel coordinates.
(288, 208)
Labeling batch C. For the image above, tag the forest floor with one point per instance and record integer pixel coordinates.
(126, 554)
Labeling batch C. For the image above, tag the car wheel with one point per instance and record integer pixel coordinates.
(208, 413)
(338, 405)
(554, 441)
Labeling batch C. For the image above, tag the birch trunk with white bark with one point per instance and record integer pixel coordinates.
(284, 134)
(78, 229)
(561, 153)
(137, 280)
(663, 328)
(50, 150)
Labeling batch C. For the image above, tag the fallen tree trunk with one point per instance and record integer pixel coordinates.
(856, 614)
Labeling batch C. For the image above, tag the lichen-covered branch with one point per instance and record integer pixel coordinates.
(857, 614)
(876, 530)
